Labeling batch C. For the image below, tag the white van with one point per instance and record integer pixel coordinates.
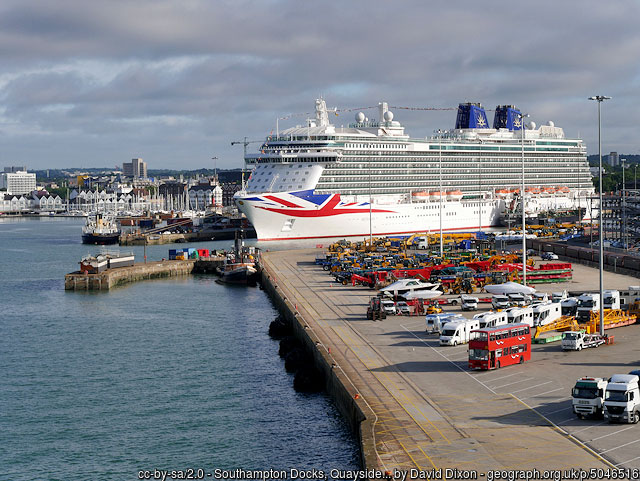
(492, 319)
(500, 302)
(520, 315)
(436, 321)
(457, 332)
(517, 300)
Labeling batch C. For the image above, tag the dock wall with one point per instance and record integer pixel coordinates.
(79, 281)
(337, 384)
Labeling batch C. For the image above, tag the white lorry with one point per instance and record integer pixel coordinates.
(491, 319)
(622, 399)
(436, 321)
(569, 306)
(520, 315)
(588, 396)
(500, 302)
(578, 340)
(611, 299)
(587, 303)
(457, 332)
(546, 312)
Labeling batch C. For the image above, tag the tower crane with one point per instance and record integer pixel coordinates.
(244, 143)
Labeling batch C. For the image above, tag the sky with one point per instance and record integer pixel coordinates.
(93, 84)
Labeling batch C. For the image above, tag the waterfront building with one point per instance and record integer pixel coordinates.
(205, 195)
(228, 191)
(20, 182)
(613, 159)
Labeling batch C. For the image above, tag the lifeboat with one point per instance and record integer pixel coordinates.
(502, 193)
(433, 196)
(548, 190)
(420, 196)
(454, 195)
(562, 189)
(536, 191)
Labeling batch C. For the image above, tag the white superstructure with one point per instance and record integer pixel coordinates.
(319, 180)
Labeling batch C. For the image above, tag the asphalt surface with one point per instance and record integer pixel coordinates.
(431, 411)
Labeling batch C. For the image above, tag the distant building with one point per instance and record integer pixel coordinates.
(204, 195)
(20, 182)
(614, 159)
(136, 169)
(15, 168)
(228, 189)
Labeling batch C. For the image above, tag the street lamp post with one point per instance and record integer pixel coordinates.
(440, 187)
(624, 210)
(600, 99)
(524, 224)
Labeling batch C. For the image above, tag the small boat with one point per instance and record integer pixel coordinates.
(454, 195)
(100, 229)
(239, 267)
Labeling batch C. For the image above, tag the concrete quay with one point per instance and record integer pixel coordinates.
(416, 405)
(110, 278)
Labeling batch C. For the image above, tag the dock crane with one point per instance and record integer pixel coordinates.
(244, 143)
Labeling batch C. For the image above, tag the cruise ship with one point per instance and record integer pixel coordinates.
(371, 178)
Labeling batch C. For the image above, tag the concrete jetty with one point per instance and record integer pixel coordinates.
(415, 405)
(110, 278)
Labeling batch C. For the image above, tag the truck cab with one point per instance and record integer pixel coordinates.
(500, 302)
(622, 399)
(569, 306)
(611, 299)
(588, 396)
(587, 303)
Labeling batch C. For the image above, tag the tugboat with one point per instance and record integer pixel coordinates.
(100, 229)
(241, 267)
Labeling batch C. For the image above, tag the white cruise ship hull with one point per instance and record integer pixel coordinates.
(288, 216)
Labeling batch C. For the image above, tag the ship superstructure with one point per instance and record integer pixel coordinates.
(319, 180)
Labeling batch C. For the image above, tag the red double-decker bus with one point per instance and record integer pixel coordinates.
(496, 347)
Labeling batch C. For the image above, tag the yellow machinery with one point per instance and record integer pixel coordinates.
(612, 318)
(564, 323)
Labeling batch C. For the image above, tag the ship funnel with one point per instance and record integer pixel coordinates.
(507, 117)
(471, 116)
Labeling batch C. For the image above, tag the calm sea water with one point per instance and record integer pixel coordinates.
(167, 374)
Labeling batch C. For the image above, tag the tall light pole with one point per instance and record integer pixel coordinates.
(600, 99)
(440, 187)
(624, 210)
(635, 179)
(524, 221)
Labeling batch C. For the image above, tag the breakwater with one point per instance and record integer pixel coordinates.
(110, 278)
(336, 383)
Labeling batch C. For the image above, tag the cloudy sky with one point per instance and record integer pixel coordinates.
(91, 84)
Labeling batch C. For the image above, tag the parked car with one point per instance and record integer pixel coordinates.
(389, 306)
(549, 256)
(403, 308)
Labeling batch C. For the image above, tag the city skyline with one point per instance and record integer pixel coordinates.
(175, 83)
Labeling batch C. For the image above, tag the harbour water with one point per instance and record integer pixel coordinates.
(167, 374)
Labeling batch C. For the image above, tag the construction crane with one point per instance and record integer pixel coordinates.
(245, 142)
